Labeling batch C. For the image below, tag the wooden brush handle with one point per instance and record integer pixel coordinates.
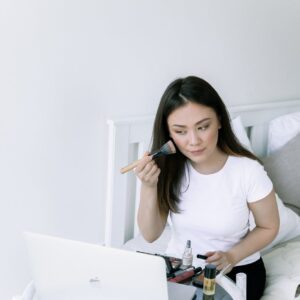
(130, 166)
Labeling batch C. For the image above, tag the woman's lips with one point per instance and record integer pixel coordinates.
(197, 152)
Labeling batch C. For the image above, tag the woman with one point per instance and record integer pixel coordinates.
(208, 187)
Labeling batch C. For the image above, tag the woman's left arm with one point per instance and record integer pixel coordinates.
(266, 218)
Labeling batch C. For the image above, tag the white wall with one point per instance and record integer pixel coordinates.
(67, 66)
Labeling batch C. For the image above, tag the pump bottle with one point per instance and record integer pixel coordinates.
(187, 257)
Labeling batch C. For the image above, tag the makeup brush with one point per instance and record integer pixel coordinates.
(166, 149)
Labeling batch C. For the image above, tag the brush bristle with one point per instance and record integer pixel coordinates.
(168, 148)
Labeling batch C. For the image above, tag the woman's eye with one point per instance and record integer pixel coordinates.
(180, 132)
(202, 128)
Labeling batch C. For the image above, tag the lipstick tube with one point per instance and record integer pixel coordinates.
(185, 275)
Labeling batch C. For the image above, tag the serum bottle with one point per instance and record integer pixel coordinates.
(187, 257)
(209, 284)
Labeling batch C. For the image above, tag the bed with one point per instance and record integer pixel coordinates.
(271, 130)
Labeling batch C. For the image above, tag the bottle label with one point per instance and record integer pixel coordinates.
(209, 286)
(187, 260)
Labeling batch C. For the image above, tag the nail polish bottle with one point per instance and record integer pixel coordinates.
(209, 284)
(187, 257)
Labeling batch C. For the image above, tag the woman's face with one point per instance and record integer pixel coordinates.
(194, 129)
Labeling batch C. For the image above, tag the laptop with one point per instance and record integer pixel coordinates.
(71, 270)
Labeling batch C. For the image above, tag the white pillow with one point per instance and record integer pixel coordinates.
(281, 130)
(289, 224)
(283, 272)
(240, 132)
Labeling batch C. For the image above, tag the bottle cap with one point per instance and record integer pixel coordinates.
(188, 243)
(210, 271)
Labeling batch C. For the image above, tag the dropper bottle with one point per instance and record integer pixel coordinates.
(187, 257)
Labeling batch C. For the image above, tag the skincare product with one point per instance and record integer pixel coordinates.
(209, 284)
(187, 257)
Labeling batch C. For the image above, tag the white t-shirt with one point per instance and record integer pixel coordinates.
(214, 213)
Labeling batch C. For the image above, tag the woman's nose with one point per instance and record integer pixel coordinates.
(194, 138)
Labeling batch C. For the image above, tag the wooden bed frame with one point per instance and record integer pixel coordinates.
(129, 138)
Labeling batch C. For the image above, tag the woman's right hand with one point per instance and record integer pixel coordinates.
(147, 170)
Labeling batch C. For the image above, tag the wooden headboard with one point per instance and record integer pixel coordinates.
(129, 138)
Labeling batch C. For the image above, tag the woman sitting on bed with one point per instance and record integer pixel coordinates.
(208, 187)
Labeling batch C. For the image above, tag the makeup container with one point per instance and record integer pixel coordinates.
(187, 257)
(209, 284)
(198, 280)
(185, 275)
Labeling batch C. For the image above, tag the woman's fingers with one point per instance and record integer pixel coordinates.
(147, 153)
(142, 163)
(219, 259)
(147, 170)
(153, 174)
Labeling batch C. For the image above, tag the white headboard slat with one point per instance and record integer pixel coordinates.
(130, 138)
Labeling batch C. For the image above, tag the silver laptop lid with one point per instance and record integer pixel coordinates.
(71, 270)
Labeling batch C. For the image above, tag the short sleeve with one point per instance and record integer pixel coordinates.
(258, 183)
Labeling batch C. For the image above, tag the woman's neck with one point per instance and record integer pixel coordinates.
(213, 165)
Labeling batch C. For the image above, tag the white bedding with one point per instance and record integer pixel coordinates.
(283, 271)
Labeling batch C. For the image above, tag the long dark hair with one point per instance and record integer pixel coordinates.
(177, 94)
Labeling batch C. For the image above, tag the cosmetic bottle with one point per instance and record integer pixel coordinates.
(187, 257)
(209, 284)
(241, 283)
